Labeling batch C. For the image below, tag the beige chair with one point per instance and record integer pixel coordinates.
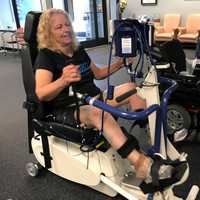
(191, 32)
(169, 30)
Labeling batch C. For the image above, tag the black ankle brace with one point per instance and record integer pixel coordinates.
(128, 146)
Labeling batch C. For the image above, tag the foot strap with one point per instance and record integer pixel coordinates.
(130, 144)
(157, 184)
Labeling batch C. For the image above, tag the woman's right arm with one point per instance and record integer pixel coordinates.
(46, 89)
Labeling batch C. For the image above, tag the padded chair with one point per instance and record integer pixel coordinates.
(191, 32)
(38, 121)
(169, 30)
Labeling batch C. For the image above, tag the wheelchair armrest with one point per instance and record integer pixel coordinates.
(164, 65)
(186, 73)
(77, 135)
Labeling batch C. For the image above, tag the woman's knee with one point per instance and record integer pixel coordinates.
(124, 88)
(129, 86)
(96, 115)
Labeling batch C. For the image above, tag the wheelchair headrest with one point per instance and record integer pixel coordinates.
(31, 24)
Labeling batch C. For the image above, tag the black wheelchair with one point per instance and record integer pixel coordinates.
(184, 105)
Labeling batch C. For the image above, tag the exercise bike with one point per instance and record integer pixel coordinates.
(65, 151)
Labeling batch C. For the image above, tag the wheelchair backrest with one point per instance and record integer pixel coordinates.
(172, 51)
(29, 54)
(30, 33)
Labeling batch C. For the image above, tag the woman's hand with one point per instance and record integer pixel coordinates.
(130, 60)
(47, 89)
(119, 62)
(70, 74)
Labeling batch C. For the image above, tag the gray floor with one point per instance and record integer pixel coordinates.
(15, 184)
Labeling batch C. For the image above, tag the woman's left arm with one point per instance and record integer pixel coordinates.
(101, 73)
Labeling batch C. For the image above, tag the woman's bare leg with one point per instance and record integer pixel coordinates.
(92, 117)
(135, 101)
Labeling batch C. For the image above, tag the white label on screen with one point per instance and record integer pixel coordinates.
(126, 45)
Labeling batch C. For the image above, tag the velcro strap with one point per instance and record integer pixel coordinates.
(130, 144)
(158, 184)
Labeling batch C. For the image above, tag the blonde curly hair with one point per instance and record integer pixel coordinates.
(44, 37)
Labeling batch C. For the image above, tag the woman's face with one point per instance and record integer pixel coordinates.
(61, 30)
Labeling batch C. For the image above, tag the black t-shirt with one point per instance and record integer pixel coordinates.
(55, 62)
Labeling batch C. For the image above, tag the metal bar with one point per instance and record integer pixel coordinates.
(117, 188)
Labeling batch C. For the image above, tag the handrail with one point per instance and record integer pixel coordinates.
(134, 115)
(120, 113)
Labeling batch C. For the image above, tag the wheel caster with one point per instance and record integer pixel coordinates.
(33, 169)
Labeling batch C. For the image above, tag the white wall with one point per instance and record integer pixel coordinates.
(184, 7)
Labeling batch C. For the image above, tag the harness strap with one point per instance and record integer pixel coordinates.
(41, 130)
(78, 122)
(155, 171)
(46, 151)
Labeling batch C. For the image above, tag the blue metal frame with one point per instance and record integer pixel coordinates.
(120, 113)
(161, 118)
(161, 111)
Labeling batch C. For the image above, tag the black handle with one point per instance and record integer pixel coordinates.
(125, 95)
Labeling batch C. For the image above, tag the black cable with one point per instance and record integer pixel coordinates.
(108, 78)
(78, 122)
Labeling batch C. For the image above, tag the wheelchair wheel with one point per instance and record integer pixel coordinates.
(33, 169)
(177, 118)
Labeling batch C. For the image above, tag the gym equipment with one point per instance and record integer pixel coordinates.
(66, 151)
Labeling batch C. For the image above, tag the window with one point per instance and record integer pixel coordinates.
(7, 18)
(58, 4)
(83, 18)
(24, 6)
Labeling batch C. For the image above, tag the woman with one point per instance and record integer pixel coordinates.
(62, 62)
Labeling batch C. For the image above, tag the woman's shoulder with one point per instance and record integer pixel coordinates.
(45, 57)
(48, 54)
